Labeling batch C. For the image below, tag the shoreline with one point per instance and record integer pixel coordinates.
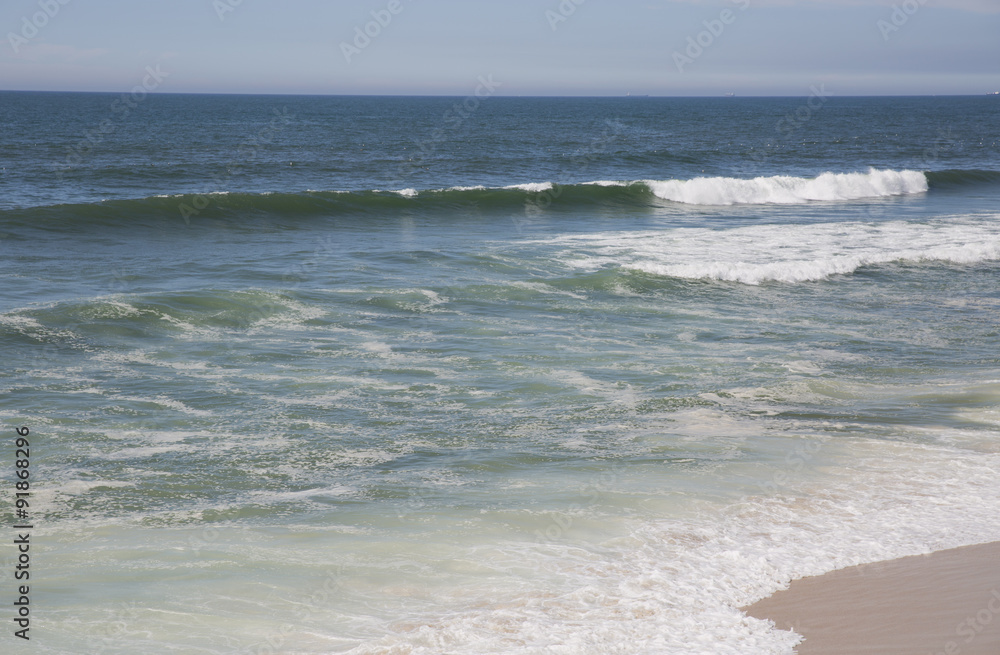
(944, 603)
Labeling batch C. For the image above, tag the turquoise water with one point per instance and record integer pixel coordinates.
(323, 375)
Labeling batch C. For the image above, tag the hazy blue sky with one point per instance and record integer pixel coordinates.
(529, 47)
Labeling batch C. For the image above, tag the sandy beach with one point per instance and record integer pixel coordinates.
(945, 603)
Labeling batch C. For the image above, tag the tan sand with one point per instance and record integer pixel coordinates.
(945, 603)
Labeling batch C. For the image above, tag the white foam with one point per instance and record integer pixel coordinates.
(113, 308)
(146, 358)
(54, 497)
(163, 401)
(478, 187)
(31, 327)
(662, 583)
(787, 253)
(377, 347)
(783, 189)
(674, 586)
(533, 187)
(608, 183)
(293, 316)
(140, 452)
(267, 497)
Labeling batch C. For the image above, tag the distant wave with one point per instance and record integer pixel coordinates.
(526, 196)
(783, 189)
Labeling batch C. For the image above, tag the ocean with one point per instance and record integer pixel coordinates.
(482, 375)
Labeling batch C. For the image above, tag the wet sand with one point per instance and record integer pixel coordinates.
(945, 603)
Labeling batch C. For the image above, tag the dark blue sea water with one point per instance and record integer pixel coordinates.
(489, 375)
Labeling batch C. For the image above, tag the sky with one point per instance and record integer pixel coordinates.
(518, 47)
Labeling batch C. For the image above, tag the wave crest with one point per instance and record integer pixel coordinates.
(534, 196)
(783, 189)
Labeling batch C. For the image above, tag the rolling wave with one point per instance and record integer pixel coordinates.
(781, 189)
(531, 196)
(962, 178)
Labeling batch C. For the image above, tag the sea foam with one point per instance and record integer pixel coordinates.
(782, 189)
(786, 253)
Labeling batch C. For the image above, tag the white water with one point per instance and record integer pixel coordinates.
(786, 253)
(782, 189)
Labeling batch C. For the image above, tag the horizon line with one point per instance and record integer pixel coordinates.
(722, 95)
